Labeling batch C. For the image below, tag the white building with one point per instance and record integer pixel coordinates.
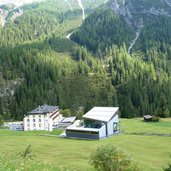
(99, 122)
(42, 118)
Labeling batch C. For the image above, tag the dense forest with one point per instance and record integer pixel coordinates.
(39, 65)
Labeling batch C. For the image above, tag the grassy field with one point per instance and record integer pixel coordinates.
(150, 153)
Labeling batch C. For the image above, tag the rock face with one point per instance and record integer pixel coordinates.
(3, 16)
(133, 10)
(14, 7)
(136, 12)
(8, 87)
(5, 13)
(145, 21)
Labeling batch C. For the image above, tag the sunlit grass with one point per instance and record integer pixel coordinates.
(150, 153)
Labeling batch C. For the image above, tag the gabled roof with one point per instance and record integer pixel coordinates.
(104, 114)
(43, 110)
(148, 116)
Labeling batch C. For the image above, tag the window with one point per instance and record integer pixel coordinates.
(39, 120)
(33, 116)
(83, 132)
(115, 126)
(92, 124)
(34, 120)
(28, 120)
(34, 125)
(40, 125)
(39, 116)
(28, 125)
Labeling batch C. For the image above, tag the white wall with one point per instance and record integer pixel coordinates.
(41, 121)
(110, 124)
(38, 122)
(102, 131)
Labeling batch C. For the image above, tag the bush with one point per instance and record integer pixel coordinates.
(1, 121)
(66, 112)
(155, 119)
(109, 158)
(168, 169)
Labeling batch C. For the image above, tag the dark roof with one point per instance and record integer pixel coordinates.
(148, 117)
(43, 109)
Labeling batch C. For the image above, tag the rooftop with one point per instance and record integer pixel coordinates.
(104, 114)
(69, 119)
(148, 116)
(43, 109)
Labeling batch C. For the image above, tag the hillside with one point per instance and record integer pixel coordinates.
(133, 38)
(39, 64)
(139, 24)
(10, 10)
(35, 52)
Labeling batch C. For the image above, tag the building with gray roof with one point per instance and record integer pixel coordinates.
(99, 122)
(42, 118)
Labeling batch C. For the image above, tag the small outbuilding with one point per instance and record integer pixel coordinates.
(15, 126)
(98, 123)
(65, 122)
(148, 118)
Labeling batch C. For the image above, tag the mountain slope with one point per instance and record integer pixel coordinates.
(9, 10)
(132, 38)
(148, 22)
(37, 62)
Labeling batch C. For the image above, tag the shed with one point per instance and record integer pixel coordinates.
(148, 118)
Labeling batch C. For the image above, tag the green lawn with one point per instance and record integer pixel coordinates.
(139, 126)
(150, 153)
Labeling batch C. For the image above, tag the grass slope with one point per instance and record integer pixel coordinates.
(150, 153)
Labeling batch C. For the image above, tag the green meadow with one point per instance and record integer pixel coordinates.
(148, 152)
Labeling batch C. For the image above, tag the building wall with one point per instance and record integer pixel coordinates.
(57, 119)
(77, 134)
(102, 132)
(41, 121)
(110, 125)
(37, 122)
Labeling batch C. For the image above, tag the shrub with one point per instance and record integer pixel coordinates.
(1, 121)
(168, 169)
(27, 154)
(155, 119)
(109, 158)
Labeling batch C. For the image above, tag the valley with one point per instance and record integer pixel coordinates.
(78, 54)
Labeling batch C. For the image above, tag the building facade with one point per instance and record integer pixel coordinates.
(42, 118)
(98, 123)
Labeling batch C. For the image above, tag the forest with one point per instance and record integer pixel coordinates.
(38, 65)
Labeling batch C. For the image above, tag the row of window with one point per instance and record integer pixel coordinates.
(34, 120)
(34, 125)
